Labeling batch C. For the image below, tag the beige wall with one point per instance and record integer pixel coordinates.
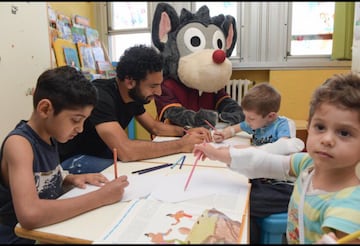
(85, 9)
(296, 87)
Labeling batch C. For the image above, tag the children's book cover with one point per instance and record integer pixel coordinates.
(87, 60)
(78, 34)
(98, 53)
(59, 45)
(103, 66)
(92, 36)
(71, 57)
(63, 24)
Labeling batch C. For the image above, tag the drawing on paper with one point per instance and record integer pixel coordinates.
(212, 226)
(179, 215)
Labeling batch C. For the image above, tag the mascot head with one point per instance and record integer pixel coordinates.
(195, 47)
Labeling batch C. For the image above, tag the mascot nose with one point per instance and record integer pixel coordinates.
(218, 56)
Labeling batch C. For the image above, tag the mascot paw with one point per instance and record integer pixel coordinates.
(205, 114)
(231, 118)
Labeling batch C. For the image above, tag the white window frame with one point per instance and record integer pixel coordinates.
(258, 48)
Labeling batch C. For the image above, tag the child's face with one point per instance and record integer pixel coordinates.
(68, 123)
(254, 120)
(334, 138)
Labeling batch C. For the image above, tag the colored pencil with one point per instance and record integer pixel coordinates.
(145, 170)
(182, 161)
(199, 155)
(209, 124)
(115, 162)
(349, 237)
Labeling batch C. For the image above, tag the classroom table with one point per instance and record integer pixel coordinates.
(109, 224)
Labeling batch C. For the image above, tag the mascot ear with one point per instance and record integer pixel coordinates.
(228, 25)
(165, 19)
(230, 33)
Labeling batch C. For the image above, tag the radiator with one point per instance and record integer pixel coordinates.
(237, 88)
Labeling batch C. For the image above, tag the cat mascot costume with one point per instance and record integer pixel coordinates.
(195, 48)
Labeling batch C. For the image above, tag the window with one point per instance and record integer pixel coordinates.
(128, 25)
(270, 34)
(312, 26)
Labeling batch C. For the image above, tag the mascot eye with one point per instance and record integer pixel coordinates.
(194, 39)
(218, 40)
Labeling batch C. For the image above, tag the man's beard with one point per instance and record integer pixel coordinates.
(135, 94)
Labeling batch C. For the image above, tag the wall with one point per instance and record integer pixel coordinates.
(24, 55)
(85, 9)
(296, 87)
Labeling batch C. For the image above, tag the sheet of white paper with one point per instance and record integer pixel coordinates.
(139, 186)
(171, 188)
(202, 183)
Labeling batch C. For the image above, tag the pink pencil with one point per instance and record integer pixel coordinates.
(198, 157)
(209, 124)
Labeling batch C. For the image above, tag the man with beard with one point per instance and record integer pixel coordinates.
(138, 78)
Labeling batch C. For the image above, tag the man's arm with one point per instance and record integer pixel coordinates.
(114, 136)
(159, 128)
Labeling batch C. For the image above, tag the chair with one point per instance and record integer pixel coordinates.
(237, 88)
(273, 229)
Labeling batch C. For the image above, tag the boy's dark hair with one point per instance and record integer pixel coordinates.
(341, 90)
(262, 99)
(66, 88)
(138, 61)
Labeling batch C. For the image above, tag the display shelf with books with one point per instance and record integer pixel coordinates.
(75, 43)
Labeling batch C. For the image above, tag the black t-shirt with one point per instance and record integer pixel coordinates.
(110, 107)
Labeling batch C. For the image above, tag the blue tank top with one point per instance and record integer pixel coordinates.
(46, 168)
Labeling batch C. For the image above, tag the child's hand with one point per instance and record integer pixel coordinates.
(329, 238)
(218, 136)
(202, 131)
(113, 191)
(80, 180)
(209, 151)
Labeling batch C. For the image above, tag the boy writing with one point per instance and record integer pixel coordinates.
(326, 194)
(31, 176)
(270, 132)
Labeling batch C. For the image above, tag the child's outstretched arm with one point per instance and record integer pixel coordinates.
(284, 146)
(251, 161)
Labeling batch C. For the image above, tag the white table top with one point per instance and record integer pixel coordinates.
(103, 224)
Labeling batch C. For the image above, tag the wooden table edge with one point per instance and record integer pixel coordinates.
(48, 238)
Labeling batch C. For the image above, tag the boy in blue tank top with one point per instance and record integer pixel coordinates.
(31, 176)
